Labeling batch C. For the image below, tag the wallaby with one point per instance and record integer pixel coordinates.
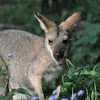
(36, 61)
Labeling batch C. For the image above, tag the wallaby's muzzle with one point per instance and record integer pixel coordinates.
(58, 55)
(59, 52)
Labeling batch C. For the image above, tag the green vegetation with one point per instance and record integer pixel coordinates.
(85, 48)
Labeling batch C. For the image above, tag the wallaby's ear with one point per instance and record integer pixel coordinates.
(44, 22)
(71, 21)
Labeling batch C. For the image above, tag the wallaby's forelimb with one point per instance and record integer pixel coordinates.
(37, 84)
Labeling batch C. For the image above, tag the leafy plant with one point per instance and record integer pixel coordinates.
(86, 78)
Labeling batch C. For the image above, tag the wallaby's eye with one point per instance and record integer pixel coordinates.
(50, 42)
(65, 41)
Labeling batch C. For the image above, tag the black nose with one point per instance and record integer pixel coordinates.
(59, 55)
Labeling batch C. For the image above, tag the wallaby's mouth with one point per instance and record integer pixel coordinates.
(59, 56)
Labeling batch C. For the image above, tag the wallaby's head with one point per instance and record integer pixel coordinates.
(57, 36)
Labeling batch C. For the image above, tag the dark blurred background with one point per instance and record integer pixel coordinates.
(85, 38)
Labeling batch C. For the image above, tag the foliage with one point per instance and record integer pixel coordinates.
(86, 48)
(86, 78)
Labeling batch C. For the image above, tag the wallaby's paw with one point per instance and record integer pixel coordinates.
(58, 92)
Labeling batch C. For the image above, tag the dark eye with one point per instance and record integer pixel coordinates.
(50, 41)
(65, 41)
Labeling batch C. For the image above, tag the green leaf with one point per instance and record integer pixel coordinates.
(68, 61)
(23, 91)
(69, 75)
(92, 96)
(87, 72)
(3, 85)
(3, 98)
(2, 72)
(93, 72)
(91, 81)
(67, 84)
(84, 72)
(19, 90)
(10, 94)
(0, 67)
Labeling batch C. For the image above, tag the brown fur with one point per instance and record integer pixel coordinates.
(47, 23)
(71, 21)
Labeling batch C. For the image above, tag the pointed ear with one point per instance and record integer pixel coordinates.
(71, 21)
(44, 22)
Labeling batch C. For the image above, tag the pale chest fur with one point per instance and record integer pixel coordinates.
(52, 73)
